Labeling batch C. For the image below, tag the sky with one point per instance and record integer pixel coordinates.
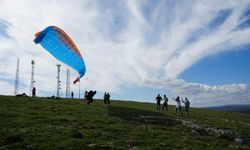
(134, 49)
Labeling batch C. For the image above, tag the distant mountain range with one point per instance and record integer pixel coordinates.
(233, 108)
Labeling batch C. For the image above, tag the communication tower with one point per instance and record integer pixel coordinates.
(17, 77)
(32, 81)
(58, 80)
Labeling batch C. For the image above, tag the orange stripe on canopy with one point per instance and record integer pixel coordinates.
(68, 40)
(37, 33)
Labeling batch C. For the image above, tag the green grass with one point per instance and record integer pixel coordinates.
(49, 124)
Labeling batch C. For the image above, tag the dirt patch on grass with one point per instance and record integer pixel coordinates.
(141, 116)
(77, 135)
(14, 138)
(157, 120)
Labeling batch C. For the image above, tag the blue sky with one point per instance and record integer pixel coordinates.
(225, 68)
(134, 49)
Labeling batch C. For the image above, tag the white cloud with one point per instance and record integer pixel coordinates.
(121, 44)
(205, 95)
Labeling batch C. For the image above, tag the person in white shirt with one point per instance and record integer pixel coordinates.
(178, 105)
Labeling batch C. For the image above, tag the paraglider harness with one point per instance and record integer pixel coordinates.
(90, 96)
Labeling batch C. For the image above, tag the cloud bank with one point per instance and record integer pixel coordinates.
(139, 43)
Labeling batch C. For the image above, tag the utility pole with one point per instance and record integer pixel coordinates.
(68, 84)
(80, 89)
(17, 77)
(58, 80)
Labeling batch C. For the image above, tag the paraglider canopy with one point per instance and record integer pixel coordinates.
(60, 45)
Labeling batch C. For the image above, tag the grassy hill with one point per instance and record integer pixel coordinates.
(39, 123)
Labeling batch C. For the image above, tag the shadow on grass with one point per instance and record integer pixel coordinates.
(141, 116)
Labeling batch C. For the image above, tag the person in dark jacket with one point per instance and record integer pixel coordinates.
(108, 98)
(105, 98)
(85, 95)
(90, 96)
(34, 92)
(72, 94)
(187, 105)
(158, 102)
(165, 103)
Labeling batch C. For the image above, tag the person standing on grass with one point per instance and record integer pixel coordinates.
(108, 98)
(158, 101)
(187, 104)
(178, 105)
(34, 92)
(105, 98)
(72, 94)
(85, 95)
(165, 103)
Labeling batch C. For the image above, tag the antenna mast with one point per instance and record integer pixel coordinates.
(17, 77)
(32, 81)
(58, 80)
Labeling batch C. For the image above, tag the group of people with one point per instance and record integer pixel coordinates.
(106, 98)
(165, 102)
(33, 93)
(178, 101)
(88, 96)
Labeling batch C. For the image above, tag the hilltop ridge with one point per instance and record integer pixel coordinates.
(40, 123)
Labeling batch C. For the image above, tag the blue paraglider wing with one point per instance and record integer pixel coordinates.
(60, 45)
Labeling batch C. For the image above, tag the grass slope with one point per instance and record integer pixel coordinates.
(49, 124)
